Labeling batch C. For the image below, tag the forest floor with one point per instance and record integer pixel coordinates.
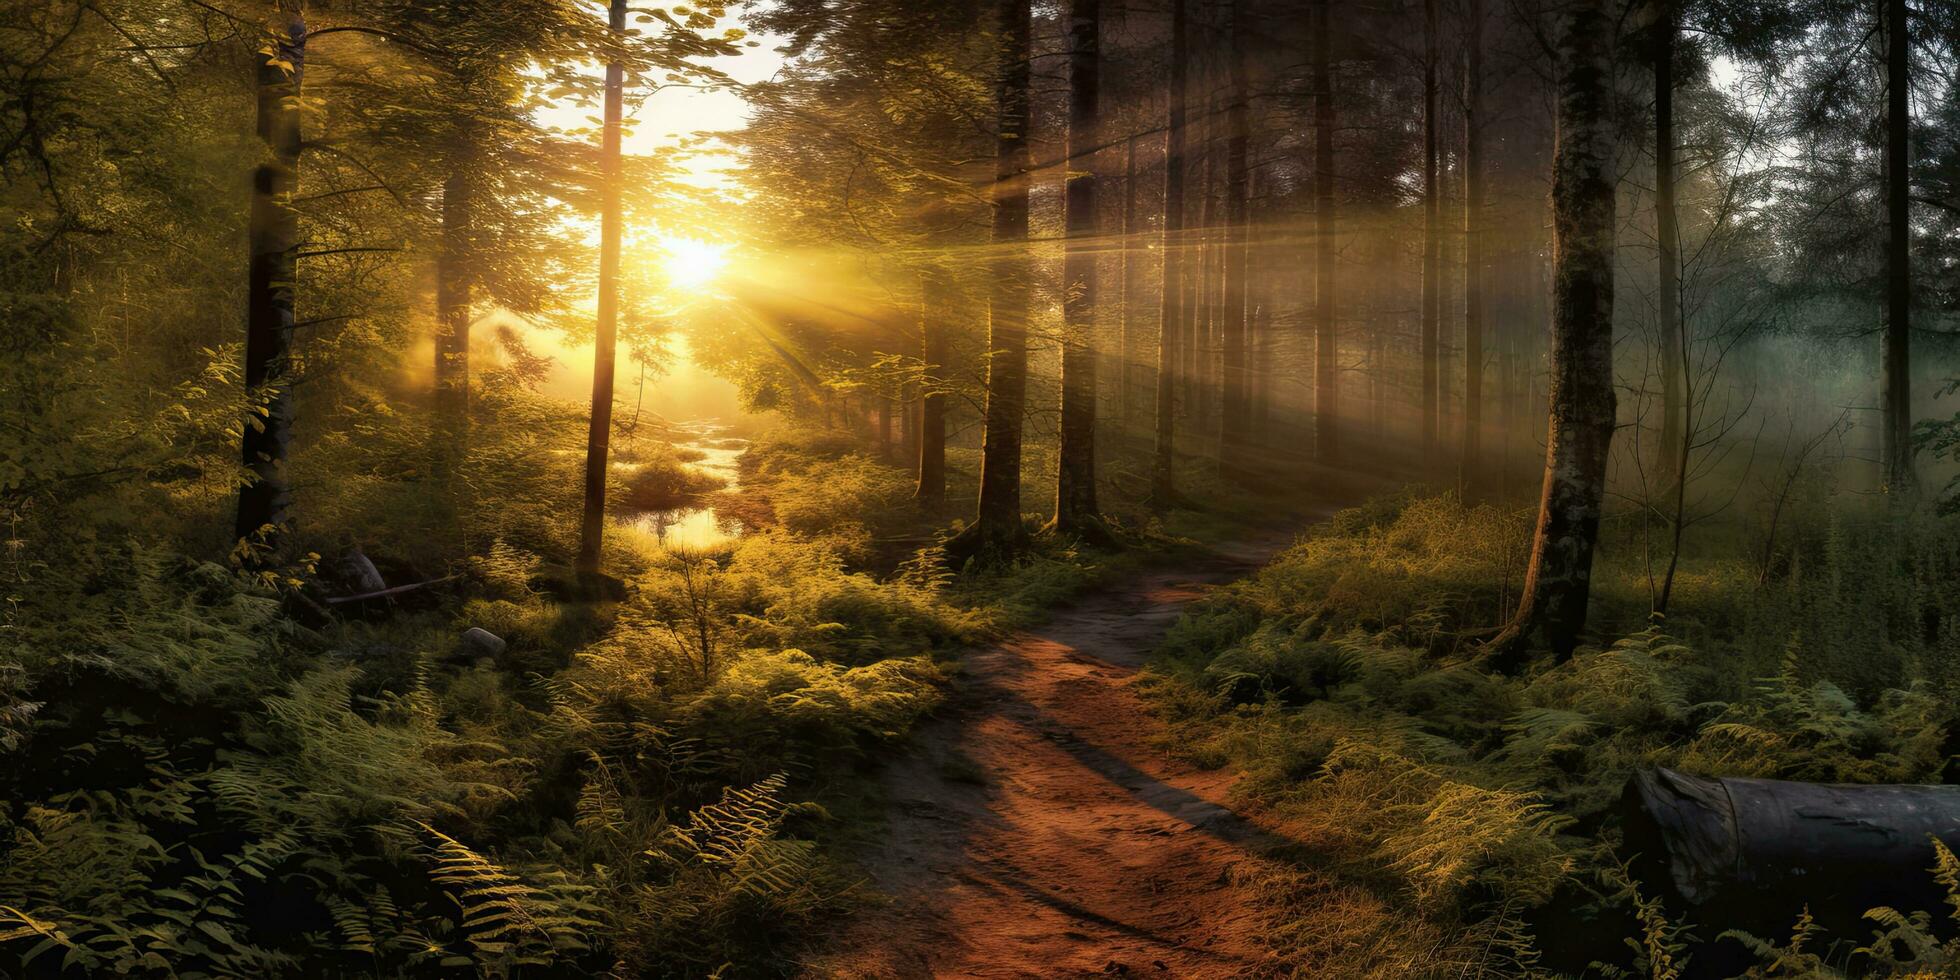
(1039, 827)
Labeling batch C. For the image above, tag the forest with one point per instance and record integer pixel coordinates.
(1011, 488)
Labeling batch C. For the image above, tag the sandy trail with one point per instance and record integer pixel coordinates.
(1036, 832)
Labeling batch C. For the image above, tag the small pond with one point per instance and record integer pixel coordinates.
(700, 528)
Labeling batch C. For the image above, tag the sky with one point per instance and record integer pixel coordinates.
(658, 122)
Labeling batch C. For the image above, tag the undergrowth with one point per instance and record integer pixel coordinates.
(202, 781)
(1480, 807)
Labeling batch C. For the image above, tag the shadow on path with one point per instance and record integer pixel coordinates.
(1083, 850)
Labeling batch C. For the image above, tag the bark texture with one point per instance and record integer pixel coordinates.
(273, 250)
(1558, 579)
(1843, 848)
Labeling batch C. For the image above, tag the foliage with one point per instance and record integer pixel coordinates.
(1340, 684)
(204, 785)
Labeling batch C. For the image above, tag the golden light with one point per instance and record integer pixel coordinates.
(691, 262)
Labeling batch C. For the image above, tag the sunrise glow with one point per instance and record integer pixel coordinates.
(690, 263)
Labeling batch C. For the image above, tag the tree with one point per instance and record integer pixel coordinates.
(996, 533)
(1075, 492)
(1473, 248)
(273, 253)
(936, 299)
(1126, 307)
(1895, 394)
(592, 523)
(1235, 405)
(1163, 488)
(1558, 577)
(874, 141)
(1432, 242)
(1327, 369)
(1667, 290)
(497, 168)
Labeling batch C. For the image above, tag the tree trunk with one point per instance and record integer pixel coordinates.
(1731, 844)
(272, 249)
(1558, 580)
(1235, 397)
(935, 304)
(1075, 491)
(997, 531)
(908, 422)
(1667, 293)
(1259, 322)
(453, 312)
(885, 426)
(1163, 490)
(1896, 398)
(599, 434)
(1327, 368)
(1200, 300)
(1473, 254)
(1432, 243)
(1127, 372)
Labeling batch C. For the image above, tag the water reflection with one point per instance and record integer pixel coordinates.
(700, 528)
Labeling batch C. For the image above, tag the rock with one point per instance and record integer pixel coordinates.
(479, 644)
(358, 574)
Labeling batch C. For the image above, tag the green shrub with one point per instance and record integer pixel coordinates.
(1341, 680)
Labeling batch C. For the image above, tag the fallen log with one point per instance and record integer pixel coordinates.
(1740, 846)
(384, 593)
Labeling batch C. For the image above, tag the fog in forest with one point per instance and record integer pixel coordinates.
(1018, 488)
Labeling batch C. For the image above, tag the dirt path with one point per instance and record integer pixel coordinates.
(1036, 833)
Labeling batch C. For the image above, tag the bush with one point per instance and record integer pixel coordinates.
(659, 477)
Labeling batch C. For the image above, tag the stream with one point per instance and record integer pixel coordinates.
(700, 528)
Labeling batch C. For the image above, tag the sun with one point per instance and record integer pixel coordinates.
(690, 262)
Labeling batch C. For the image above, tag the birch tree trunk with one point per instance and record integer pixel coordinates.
(1558, 579)
(272, 250)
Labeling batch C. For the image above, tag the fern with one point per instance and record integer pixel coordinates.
(505, 919)
(729, 876)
